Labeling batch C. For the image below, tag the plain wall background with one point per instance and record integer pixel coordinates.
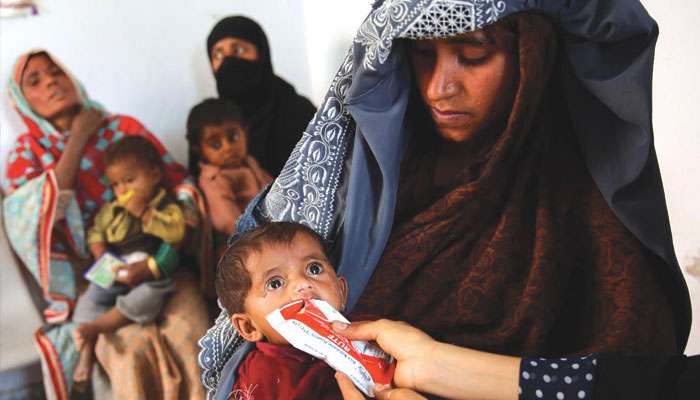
(677, 133)
(148, 59)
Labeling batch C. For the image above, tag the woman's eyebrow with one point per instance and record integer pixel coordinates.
(29, 76)
(473, 40)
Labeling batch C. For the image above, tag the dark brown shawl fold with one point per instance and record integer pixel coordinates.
(521, 254)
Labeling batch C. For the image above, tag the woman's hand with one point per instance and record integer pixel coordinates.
(85, 124)
(133, 274)
(244, 184)
(411, 347)
(207, 172)
(428, 366)
(350, 392)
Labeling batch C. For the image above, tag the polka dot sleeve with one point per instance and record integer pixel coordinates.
(557, 378)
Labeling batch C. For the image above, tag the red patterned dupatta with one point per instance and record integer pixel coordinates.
(520, 254)
(30, 205)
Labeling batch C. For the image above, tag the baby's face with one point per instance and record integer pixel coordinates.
(129, 175)
(223, 145)
(281, 273)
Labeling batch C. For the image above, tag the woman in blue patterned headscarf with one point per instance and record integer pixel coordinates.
(524, 218)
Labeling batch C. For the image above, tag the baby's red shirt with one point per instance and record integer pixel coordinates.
(274, 371)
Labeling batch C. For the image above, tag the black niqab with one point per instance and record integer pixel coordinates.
(274, 113)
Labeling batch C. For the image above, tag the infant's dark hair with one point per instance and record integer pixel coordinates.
(232, 277)
(209, 112)
(133, 148)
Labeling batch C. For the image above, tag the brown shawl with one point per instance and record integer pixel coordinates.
(158, 360)
(520, 254)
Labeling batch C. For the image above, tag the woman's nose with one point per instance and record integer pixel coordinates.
(226, 52)
(444, 82)
(49, 80)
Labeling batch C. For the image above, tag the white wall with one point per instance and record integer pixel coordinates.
(329, 26)
(147, 59)
(677, 131)
(17, 311)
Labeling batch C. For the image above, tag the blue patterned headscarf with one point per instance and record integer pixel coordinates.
(342, 177)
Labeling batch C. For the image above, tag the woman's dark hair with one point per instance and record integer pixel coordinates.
(232, 277)
(133, 148)
(209, 112)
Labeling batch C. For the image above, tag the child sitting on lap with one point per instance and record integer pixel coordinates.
(218, 152)
(263, 270)
(142, 226)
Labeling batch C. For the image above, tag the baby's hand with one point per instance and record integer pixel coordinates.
(207, 171)
(133, 274)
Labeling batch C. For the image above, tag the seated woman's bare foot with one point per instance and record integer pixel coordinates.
(83, 369)
(84, 336)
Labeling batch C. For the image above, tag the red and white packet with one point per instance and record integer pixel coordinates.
(306, 325)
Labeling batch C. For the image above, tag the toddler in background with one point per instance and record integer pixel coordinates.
(142, 227)
(218, 158)
(263, 270)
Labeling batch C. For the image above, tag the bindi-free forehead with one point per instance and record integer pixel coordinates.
(493, 38)
(476, 38)
(36, 64)
(480, 38)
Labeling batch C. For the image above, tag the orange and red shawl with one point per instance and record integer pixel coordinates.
(33, 229)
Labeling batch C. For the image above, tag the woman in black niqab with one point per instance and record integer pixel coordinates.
(274, 113)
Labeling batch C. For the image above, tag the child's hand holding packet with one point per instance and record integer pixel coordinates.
(102, 271)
